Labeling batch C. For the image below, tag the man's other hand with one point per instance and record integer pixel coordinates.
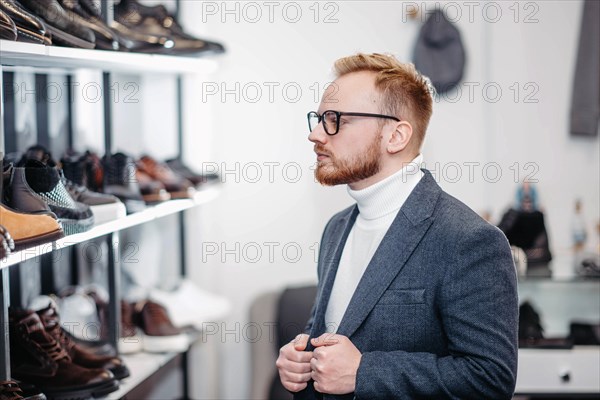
(293, 364)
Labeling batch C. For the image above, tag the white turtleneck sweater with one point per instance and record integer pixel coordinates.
(378, 205)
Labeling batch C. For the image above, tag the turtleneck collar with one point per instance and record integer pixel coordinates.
(389, 194)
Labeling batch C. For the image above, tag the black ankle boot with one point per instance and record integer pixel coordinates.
(120, 180)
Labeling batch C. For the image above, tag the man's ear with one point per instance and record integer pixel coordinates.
(400, 137)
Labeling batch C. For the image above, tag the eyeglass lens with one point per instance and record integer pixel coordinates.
(330, 121)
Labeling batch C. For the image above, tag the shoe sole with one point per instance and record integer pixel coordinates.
(183, 194)
(156, 198)
(74, 226)
(165, 344)
(108, 212)
(67, 39)
(26, 243)
(81, 393)
(130, 345)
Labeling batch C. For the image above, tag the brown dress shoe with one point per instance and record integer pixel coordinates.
(8, 30)
(80, 356)
(177, 186)
(153, 191)
(159, 333)
(36, 357)
(29, 230)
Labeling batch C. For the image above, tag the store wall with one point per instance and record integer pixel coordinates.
(248, 119)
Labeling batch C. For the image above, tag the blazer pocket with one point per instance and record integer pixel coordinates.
(402, 296)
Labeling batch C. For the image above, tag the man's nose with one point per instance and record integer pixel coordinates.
(318, 134)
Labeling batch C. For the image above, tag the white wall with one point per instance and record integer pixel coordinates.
(242, 134)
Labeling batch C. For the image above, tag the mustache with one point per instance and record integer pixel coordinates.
(320, 150)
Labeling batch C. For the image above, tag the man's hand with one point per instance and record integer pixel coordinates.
(334, 364)
(294, 364)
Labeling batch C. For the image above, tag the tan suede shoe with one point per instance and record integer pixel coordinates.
(29, 230)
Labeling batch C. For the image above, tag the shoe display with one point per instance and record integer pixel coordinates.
(36, 357)
(28, 230)
(35, 186)
(106, 38)
(84, 169)
(157, 22)
(130, 340)
(159, 333)
(120, 181)
(105, 207)
(139, 41)
(29, 27)
(65, 26)
(8, 29)
(177, 186)
(80, 356)
(197, 179)
(152, 190)
(189, 306)
(88, 10)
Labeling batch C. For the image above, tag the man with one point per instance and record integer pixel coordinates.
(417, 294)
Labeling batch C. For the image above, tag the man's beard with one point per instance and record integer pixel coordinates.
(359, 167)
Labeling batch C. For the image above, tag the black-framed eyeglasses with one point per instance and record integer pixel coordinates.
(331, 119)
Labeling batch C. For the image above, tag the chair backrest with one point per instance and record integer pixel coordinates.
(289, 311)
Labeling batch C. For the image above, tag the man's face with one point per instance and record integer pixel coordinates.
(354, 153)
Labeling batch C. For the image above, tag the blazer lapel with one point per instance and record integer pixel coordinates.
(401, 239)
(330, 265)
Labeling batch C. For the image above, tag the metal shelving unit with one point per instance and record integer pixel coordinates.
(15, 56)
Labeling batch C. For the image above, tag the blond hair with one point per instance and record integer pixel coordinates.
(405, 93)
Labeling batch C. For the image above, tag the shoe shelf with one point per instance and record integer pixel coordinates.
(143, 365)
(37, 55)
(149, 214)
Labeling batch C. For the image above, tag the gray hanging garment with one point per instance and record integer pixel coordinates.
(585, 103)
(439, 52)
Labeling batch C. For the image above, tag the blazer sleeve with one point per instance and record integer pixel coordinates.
(478, 305)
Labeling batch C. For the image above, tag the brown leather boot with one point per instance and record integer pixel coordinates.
(11, 390)
(80, 356)
(39, 359)
(29, 230)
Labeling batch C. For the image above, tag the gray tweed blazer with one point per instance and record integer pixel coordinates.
(435, 314)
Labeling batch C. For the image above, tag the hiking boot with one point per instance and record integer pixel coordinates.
(159, 333)
(38, 358)
(80, 356)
